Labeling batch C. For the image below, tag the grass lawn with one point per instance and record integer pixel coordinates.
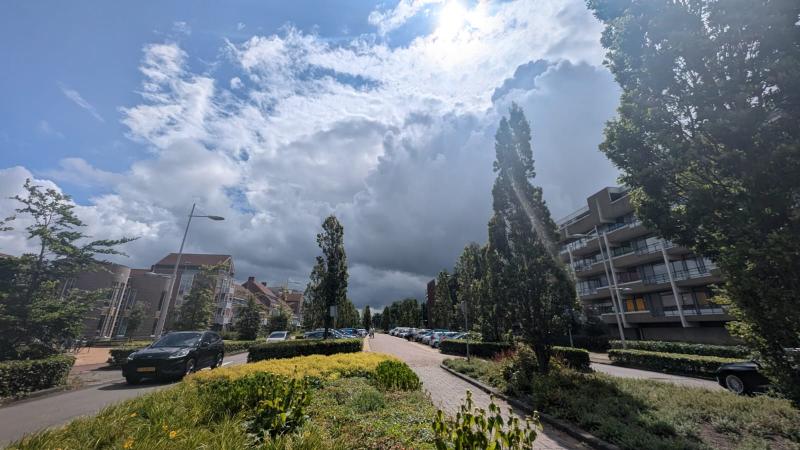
(643, 414)
(347, 410)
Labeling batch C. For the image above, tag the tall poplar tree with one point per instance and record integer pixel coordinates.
(708, 138)
(536, 287)
(366, 319)
(442, 308)
(328, 285)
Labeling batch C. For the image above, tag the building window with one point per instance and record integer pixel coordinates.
(634, 304)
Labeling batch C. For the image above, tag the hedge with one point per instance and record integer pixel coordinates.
(20, 377)
(118, 356)
(670, 362)
(686, 348)
(576, 358)
(480, 349)
(302, 347)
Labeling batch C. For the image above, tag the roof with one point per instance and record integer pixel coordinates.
(194, 259)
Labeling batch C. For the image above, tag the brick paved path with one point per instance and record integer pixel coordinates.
(447, 391)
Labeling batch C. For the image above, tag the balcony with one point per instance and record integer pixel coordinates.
(653, 248)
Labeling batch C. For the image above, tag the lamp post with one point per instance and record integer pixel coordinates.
(162, 315)
(466, 324)
(617, 307)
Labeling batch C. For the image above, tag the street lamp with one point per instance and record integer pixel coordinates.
(162, 315)
(618, 303)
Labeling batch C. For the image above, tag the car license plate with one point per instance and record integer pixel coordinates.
(146, 369)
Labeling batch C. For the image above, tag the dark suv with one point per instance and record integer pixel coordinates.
(175, 355)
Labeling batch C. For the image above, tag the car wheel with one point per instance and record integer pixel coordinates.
(217, 361)
(735, 384)
(133, 379)
(189, 368)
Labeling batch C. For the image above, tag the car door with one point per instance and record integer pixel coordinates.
(205, 352)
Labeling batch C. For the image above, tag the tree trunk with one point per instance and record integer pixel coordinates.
(543, 355)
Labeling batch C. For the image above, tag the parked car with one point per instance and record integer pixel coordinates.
(362, 332)
(436, 342)
(742, 377)
(277, 336)
(419, 337)
(175, 355)
(318, 334)
(429, 337)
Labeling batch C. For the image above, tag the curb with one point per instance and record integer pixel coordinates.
(566, 427)
(8, 401)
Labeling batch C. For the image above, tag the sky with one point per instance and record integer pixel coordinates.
(277, 114)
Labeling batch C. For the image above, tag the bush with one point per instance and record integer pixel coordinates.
(396, 375)
(670, 362)
(270, 403)
(476, 428)
(686, 348)
(239, 346)
(20, 377)
(314, 366)
(479, 349)
(290, 349)
(575, 358)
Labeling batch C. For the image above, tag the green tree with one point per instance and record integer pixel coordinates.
(314, 309)
(377, 320)
(366, 318)
(707, 137)
(249, 322)
(197, 310)
(442, 308)
(469, 274)
(522, 235)
(34, 309)
(328, 285)
(135, 319)
(280, 320)
(347, 315)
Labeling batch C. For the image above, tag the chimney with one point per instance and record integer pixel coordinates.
(264, 283)
(251, 279)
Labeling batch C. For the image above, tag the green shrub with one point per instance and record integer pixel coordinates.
(290, 349)
(670, 362)
(475, 428)
(479, 349)
(686, 348)
(576, 358)
(396, 375)
(367, 400)
(270, 403)
(240, 346)
(20, 377)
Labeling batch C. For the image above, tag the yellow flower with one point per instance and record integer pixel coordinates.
(164, 427)
(128, 443)
(133, 414)
(172, 434)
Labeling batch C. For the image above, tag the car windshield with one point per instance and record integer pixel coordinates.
(278, 334)
(178, 340)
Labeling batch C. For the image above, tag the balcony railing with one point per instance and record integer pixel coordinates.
(653, 248)
(619, 225)
(695, 272)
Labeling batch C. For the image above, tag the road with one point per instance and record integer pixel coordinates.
(448, 391)
(27, 416)
(626, 372)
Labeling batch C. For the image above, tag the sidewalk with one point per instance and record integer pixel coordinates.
(599, 358)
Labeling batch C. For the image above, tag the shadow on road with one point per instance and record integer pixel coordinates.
(124, 386)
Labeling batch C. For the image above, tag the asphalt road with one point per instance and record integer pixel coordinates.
(27, 416)
(626, 372)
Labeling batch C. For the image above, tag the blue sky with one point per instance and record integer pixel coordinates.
(276, 114)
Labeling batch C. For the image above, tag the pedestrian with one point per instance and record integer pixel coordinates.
(371, 333)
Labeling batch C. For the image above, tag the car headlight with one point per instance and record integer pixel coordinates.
(180, 353)
(132, 356)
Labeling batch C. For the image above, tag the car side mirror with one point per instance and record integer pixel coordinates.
(204, 345)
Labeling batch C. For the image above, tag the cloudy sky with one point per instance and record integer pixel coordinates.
(276, 114)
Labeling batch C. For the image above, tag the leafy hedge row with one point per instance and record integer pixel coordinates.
(480, 349)
(686, 348)
(302, 347)
(19, 377)
(670, 362)
(119, 355)
(576, 358)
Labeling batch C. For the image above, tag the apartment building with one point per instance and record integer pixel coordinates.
(190, 266)
(123, 288)
(636, 281)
